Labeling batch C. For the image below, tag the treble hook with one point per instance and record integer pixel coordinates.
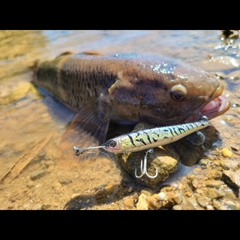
(144, 167)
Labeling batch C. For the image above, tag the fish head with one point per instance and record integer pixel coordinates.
(166, 92)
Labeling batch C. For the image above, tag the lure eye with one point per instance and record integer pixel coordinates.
(178, 92)
(111, 143)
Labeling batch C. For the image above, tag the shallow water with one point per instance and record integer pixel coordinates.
(32, 123)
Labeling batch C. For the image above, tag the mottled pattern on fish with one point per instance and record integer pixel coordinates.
(150, 138)
(140, 83)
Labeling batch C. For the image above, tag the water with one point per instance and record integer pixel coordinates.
(32, 123)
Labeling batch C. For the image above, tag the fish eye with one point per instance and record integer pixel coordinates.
(178, 92)
(111, 143)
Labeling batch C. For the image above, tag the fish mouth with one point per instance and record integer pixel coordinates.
(217, 105)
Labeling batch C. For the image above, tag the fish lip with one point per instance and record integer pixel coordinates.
(216, 97)
(220, 109)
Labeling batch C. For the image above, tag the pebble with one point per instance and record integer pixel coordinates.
(57, 185)
(213, 183)
(209, 207)
(45, 206)
(217, 205)
(195, 183)
(178, 198)
(142, 203)
(188, 194)
(37, 207)
(37, 174)
(213, 193)
(177, 207)
(204, 201)
(225, 151)
(129, 202)
(161, 196)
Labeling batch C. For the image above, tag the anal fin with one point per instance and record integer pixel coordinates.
(87, 129)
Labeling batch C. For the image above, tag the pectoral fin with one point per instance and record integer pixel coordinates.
(88, 128)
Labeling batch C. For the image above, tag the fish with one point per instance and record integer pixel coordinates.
(148, 138)
(127, 88)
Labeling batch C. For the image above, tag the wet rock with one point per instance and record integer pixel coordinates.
(161, 159)
(213, 193)
(232, 178)
(190, 203)
(214, 174)
(37, 174)
(230, 164)
(209, 207)
(230, 204)
(213, 183)
(204, 201)
(217, 205)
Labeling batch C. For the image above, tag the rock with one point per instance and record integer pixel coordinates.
(177, 207)
(153, 202)
(217, 205)
(142, 202)
(129, 202)
(65, 181)
(204, 201)
(37, 174)
(195, 183)
(57, 185)
(160, 159)
(229, 204)
(45, 206)
(229, 164)
(214, 174)
(209, 207)
(178, 197)
(213, 193)
(226, 152)
(232, 178)
(190, 203)
(213, 183)
(37, 207)
(161, 196)
(164, 159)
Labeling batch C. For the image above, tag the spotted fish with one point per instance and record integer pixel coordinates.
(128, 89)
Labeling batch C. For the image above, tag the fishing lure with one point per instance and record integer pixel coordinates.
(148, 138)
